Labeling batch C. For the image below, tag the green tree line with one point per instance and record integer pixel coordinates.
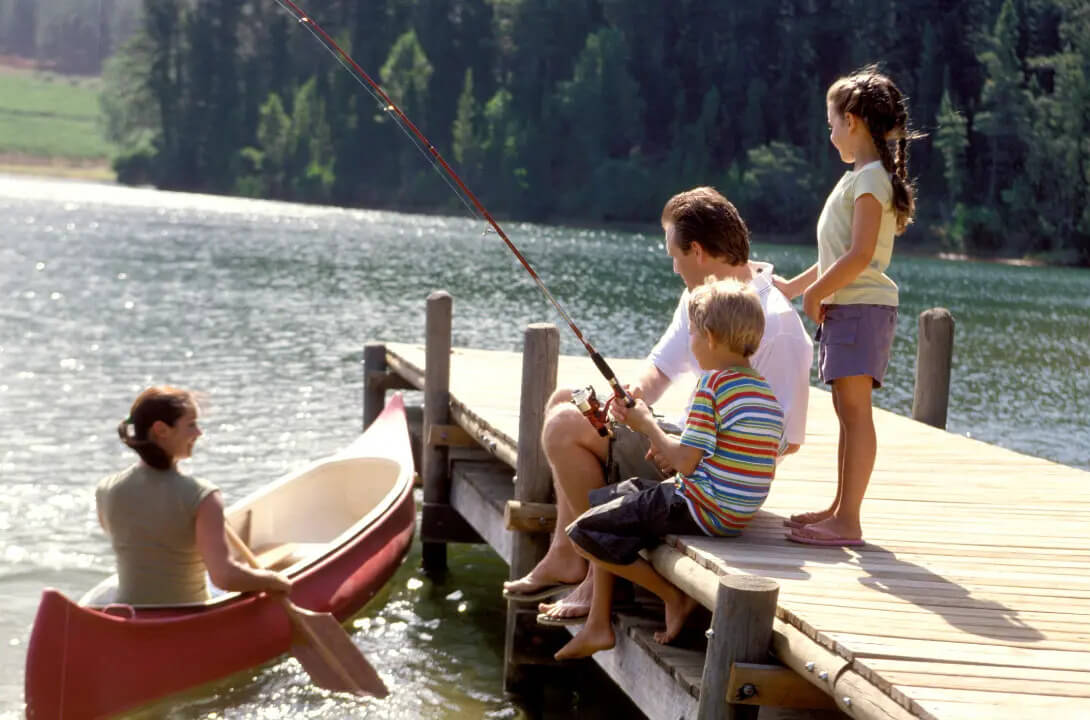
(70, 36)
(598, 110)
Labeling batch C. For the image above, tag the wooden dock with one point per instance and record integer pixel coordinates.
(970, 600)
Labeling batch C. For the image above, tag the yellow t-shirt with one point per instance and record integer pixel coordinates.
(834, 231)
(151, 518)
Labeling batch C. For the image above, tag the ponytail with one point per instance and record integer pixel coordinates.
(161, 403)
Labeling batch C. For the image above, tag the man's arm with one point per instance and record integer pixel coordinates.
(651, 384)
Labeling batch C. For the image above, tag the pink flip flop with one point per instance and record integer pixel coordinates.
(822, 539)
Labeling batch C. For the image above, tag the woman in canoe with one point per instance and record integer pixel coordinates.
(167, 527)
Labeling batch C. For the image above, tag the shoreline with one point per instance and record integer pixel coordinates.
(99, 170)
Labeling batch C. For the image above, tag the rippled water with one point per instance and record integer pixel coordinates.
(266, 306)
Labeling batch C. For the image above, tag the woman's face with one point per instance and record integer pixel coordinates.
(177, 441)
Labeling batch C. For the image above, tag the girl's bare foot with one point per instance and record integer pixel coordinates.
(676, 611)
(587, 641)
(809, 518)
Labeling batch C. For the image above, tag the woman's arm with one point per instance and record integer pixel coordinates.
(225, 571)
(865, 223)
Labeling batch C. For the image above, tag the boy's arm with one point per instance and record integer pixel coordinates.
(682, 458)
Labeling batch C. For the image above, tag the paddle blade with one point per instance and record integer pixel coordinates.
(330, 657)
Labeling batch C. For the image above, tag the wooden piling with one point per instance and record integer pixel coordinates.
(741, 631)
(533, 483)
(435, 458)
(374, 391)
(934, 353)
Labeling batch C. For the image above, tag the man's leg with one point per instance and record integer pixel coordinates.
(576, 455)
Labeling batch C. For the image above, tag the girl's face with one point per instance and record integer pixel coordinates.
(841, 132)
(177, 441)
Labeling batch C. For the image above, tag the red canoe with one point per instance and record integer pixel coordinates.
(340, 527)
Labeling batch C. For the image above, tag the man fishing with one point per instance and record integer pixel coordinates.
(704, 236)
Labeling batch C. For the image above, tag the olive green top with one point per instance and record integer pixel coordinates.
(151, 518)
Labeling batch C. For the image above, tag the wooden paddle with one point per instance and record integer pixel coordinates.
(321, 645)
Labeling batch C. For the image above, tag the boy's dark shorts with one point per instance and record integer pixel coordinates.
(630, 516)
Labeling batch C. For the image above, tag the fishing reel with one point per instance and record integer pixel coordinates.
(587, 401)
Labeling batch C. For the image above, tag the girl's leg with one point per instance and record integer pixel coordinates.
(597, 633)
(816, 516)
(857, 450)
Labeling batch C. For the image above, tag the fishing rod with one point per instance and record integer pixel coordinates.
(584, 398)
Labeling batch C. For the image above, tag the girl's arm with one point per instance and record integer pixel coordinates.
(865, 222)
(795, 286)
(681, 458)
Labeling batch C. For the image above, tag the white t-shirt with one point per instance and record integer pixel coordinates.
(784, 356)
(872, 286)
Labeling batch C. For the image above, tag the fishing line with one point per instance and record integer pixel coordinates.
(451, 178)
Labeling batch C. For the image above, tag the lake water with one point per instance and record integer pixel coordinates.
(265, 307)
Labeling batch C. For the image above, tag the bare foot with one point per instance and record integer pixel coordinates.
(589, 640)
(809, 518)
(834, 527)
(546, 575)
(676, 611)
(574, 604)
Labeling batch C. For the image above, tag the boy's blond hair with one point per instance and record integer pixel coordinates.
(730, 312)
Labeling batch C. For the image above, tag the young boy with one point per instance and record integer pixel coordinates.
(725, 460)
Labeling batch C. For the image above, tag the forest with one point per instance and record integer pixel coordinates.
(587, 111)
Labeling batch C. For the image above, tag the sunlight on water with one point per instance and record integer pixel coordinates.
(265, 307)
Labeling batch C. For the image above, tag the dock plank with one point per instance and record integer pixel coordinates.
(971, 598)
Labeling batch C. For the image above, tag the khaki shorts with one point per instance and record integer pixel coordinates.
(628, 456)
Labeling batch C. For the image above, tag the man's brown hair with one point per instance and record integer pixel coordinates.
(704, 216)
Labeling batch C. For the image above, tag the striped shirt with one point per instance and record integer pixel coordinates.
(736, 421)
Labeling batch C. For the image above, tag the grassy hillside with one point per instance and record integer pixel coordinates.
(50, 120)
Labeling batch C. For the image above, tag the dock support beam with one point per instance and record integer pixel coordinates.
(435, 458)
(374, 393)
(533, 483)
(741, 631)
(934, 352)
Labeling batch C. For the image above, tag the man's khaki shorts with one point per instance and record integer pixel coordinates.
(628, 456)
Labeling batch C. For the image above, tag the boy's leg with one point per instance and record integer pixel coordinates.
(597, 633)
(859, 446)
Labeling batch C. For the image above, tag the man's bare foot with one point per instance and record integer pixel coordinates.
(546, 576)
(677, 610)
(574, 604)
(589, 640)
(809, 518)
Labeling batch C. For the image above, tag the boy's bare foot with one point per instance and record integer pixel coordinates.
(575, 604)
(677, 610)
(808, 518)
(589, 640)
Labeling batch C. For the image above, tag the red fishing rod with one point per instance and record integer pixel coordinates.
(584, 399)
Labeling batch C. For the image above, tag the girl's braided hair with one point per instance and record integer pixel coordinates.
(877, 101)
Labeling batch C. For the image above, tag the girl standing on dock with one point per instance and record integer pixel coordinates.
(847, 293)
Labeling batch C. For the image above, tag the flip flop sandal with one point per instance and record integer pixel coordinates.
(541, 593)
(543, 619)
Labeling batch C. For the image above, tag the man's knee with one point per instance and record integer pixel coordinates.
(566, 430)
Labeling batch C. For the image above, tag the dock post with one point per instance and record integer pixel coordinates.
(934, 352)
(435, 458)
(374, 393)
(741, 631)
(533, 483)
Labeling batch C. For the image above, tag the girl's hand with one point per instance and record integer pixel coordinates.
(811, 305)
(783, 286)
(638, 417)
